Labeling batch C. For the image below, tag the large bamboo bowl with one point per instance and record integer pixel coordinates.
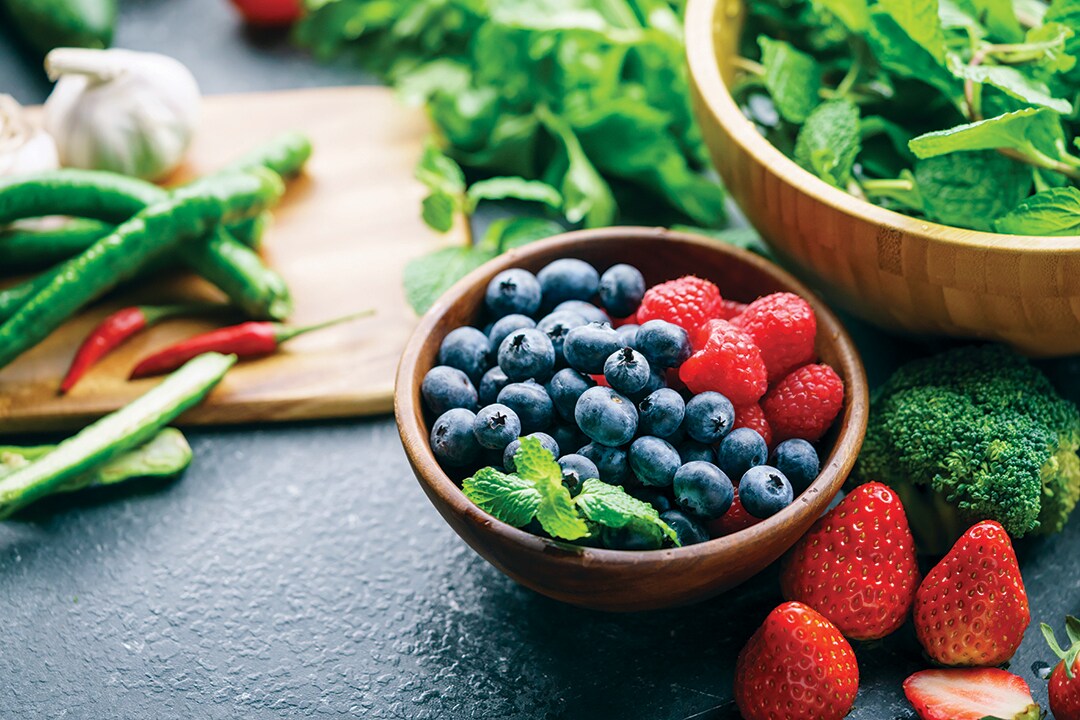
(898, 272)
(615, 579)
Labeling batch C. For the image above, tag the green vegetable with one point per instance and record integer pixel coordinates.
(137, 242)
(165, 455)
(48, 24)
(113, 435)
(1053, 212)
(959, 80)
(536, 490)
(971, 434)
(25, 250)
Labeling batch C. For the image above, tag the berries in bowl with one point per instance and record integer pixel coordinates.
(644, 403)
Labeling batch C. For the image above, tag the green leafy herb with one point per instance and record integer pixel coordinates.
(793, 79)
(1053, 212)
(970, 189)
(829, 142)
(919, 19)
(854, 14)
(536, 490)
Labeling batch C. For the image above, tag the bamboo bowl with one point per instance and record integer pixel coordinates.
(898, 272)
(613, 579)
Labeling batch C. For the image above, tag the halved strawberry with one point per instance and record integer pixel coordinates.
(970, 694)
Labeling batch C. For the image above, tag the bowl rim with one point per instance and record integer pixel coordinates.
(703, 17)
(834, 469)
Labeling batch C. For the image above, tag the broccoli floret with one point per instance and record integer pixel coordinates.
(971, 434)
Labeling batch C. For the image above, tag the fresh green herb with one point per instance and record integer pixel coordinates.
(536, 490)
(954, 110)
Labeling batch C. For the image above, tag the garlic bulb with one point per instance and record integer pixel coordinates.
(23, 149)
(130, 112)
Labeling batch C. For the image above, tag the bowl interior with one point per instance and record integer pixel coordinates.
(660, 255)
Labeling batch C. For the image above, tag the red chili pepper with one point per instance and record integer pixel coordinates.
(118, 327)
(246, 340)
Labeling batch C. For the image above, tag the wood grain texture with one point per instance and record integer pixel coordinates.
(341, 237)
(899, 272)
(612, 579)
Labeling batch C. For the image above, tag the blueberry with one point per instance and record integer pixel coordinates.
(587, 347)
(656, 381)
(654, 496)
(687, 529)
(654, 461)
(628, 333)
(445, 388)
(621, 289)
(764, 491)
(799, 462)
(630, 537)
(557, 325)
(661, 413)
(513, 291)
(506, 325)
(691, 450)
(468, 350)
(664, 344)
(546, 441)
(491, 384)
(703, 490)
(531, 403)
(606, 416)
(587, 310)
(576, 469)
(567, 435)
(741, 450)
(613, 464)
(709, 417)
(452, 438)
(627, 371)
(496, 426)
(527, 354)
(568, 279)
(565, 387)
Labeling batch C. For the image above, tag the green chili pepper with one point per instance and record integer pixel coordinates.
(286, 155)
(114, 434)
(26, 250)
(126, 251)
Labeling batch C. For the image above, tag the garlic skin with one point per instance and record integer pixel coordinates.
(23, 148)
(129, 112)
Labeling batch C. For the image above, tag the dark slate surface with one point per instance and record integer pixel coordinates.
(299, 571)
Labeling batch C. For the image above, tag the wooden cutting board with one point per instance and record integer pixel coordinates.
(341, 237)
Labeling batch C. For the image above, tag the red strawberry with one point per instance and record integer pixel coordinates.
(1065, 679)
(797, 666)
(857, 565)
(972, 608)
(970, 694)
(734, 520)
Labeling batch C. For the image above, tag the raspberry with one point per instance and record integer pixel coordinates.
(804, 403)
(734, 520)
(728, 362)
(753, 417)
(783, 326)
(688, 302)
(731, 309)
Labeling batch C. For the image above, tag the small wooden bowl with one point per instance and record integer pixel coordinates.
(613, 579)
(896, 271)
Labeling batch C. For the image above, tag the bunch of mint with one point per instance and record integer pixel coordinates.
(959, 111)
(536, 491)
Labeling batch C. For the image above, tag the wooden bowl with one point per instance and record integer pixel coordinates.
(896, 271)
(614, 579)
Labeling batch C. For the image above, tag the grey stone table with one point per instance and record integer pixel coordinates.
(298, 571)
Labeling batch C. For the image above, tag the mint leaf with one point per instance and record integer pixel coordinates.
(1012, 82)
(1052, 212)
(437, 210)
(793, 79)
(1031, 130)
(426, 278)
(586, 196)
(517, 188)
(971, 189)
(829, 142)
(609, 505)
(899, 54)
(1064, 13)
(920, 20)
(508, 498)
(854, 14)
(438, 172)
(509, 233)
(556, 511)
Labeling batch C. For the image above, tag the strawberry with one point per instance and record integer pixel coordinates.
(972, 608)
(797, 666)
(1065, 678)
(857, 565)
(970, 694)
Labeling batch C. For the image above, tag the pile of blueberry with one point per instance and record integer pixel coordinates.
(606, 395)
